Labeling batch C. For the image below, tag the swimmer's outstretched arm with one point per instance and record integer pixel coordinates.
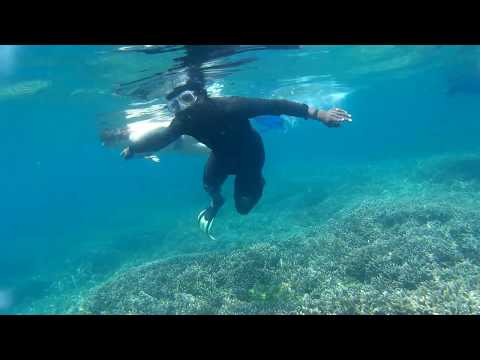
(251, 108)
(153, 141)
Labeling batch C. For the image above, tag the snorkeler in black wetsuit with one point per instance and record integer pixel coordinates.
(223, 125)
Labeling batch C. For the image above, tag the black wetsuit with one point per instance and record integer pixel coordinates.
(237, 149)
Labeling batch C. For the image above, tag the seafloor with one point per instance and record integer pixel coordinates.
(387, 238)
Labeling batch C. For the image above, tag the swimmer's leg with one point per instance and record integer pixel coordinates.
(214, 176)
(249, 182)
(248, 191)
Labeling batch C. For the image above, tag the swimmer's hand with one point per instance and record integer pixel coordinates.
(331, 118)
(127, 153)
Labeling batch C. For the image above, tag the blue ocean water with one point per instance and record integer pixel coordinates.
(74, 214)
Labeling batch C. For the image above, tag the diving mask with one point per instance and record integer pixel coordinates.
(182, 101)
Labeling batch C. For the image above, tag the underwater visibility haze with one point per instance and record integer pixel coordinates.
(378, 216)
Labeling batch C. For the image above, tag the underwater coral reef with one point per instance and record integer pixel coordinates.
(375, 258)
(389, 238)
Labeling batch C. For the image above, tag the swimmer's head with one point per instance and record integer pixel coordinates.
(182, 101)
(185, 96)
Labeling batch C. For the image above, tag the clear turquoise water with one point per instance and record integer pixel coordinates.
(74, 213)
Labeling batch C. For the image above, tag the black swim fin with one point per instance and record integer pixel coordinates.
(205, 220)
